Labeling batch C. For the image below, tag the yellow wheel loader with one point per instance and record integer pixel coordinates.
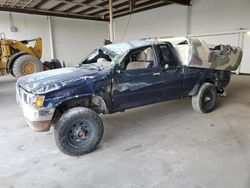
(19, 59)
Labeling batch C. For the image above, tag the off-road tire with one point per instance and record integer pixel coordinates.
(206, 99)
(71, 120)
(18, 64)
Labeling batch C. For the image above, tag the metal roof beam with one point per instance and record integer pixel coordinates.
(14, 3)
(103, 4)
(116, 7)
(83, 4)
(26, 4)
(3, 2)
(57, 6)
(180, 2)
(51, 13)
(126, 11)
(72, 8)
(41, 3)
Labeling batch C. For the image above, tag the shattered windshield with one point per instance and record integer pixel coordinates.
(109, 55)
(102, 58)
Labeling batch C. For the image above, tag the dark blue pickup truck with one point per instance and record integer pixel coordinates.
(111, 79)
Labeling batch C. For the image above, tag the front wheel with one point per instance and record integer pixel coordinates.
(78, 131)
(206, 98)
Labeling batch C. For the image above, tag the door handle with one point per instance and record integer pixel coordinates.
(156, 74)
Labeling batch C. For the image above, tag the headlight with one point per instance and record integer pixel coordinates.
(38, 101)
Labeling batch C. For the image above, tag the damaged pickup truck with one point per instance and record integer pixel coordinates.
(120, 76)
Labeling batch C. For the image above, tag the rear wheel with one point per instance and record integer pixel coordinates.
(26, 64)
(78, 131)
(206, 98)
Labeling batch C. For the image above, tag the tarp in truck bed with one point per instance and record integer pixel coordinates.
(196, 53)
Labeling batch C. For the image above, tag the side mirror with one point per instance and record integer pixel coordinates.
(166, 66)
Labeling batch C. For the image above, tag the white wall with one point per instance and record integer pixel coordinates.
(73, 38)
(219, 15)
(245, 65)
(206, 17)
(165, 21)
(29, 27)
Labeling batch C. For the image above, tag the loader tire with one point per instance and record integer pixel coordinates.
(26, 64)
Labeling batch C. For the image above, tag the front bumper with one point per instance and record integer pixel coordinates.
(37, 119)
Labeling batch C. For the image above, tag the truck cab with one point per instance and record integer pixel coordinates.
(147, 75)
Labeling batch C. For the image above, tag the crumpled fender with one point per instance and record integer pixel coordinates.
(57, 97)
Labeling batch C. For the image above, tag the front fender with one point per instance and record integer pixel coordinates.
(57, 97)
(195, 90)
(60, 99)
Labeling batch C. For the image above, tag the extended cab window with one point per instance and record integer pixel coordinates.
(166, 56)
(140, 59)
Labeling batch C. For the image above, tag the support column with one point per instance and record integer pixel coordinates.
(111, 24)
(189, 12)
(241, 44)
(51, 39)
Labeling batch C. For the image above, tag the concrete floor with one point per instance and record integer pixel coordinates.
(162, 145)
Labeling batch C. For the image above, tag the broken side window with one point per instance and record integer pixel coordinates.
(140, 59)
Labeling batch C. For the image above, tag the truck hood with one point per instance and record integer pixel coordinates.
(48, 81)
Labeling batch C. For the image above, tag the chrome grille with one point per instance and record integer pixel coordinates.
(22, 96)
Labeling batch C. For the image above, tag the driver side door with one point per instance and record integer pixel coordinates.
(139, 83)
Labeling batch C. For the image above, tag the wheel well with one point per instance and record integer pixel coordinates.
(95, 103)
(219, 89)
(209, 81)
(196, 88)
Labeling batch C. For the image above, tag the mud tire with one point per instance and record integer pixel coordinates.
(66, 127)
